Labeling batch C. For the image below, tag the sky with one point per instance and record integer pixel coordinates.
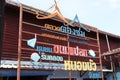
(101, 14)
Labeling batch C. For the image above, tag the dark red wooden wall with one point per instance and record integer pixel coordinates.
(10, 37)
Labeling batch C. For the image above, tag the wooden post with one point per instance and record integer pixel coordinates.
(19, 42)
(100, 57)
(68, 45)
(111, 61)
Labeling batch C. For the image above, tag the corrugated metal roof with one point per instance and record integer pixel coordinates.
(31, 65)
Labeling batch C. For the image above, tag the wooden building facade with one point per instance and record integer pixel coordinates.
(49, 49)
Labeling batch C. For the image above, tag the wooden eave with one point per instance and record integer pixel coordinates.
(32, 10)
(109, 34)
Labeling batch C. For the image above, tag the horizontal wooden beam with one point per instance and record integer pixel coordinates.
(112, 52)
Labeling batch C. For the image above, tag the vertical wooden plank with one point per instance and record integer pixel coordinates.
(100, 57)
(19, 42)
(68, 45)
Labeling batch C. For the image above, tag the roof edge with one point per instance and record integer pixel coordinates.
(109, 34)
(32, 9)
